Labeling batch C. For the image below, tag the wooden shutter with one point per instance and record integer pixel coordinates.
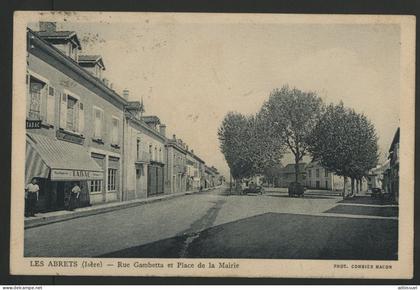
(63, 111)
(50, 105)
(81, 118)
(44, 102)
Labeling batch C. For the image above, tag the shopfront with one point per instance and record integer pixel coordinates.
(58, 166)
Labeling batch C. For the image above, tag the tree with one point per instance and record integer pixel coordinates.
(246, 144)
(345, 143)
(293, 114)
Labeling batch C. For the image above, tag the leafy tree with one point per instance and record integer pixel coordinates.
(246, 144)
(292, 114)
(345, 143)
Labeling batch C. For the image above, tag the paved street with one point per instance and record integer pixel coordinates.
(213, 224)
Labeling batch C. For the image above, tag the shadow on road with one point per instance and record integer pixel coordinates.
(365, 210)
(282, 236)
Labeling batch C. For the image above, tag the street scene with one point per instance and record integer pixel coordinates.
(317, 226)
(166, 140)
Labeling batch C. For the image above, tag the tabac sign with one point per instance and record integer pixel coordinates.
(75, 174)
(33, 124)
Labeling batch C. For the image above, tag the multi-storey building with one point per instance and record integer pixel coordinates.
(144, 152)
(63, 96)
(176, 169)
(194, 173)
(320, 178)
(394, 165)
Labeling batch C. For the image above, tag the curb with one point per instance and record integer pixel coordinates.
(94, 211)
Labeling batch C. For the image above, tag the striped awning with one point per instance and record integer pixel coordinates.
(58, 160)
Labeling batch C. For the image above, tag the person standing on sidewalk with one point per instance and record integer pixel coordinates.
(31, 197)
(74, 196)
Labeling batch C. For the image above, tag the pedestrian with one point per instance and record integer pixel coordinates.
(74, 196)
(31, 197)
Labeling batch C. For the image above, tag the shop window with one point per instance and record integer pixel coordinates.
(96, 186)
(112, 179)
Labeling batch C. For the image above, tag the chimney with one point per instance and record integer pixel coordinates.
(105, 81)
(126, 93)
(47, 26)
(192, 151)
(162, 129)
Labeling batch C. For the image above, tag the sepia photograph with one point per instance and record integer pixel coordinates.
(196, 144)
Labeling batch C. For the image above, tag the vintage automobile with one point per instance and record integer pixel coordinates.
(377, 193)
(253, 188)
(296, 189)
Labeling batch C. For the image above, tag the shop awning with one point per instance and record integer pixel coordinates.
(59, 160)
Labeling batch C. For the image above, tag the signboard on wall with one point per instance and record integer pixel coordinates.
(73, 174)
(33, 124)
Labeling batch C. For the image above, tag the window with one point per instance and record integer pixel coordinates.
(310, 173)
(36, 90)
(156, 156)
(160, 154)
(98, 117)
(112, 179)
(317, 173)
(72, 114)
(115, 127)
(95, 186)
(326, 173)
(138, 149)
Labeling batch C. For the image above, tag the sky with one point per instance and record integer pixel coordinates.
(191, 74)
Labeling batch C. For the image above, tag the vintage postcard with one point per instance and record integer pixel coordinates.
(213, 145)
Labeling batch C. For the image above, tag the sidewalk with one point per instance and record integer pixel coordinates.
(63, 215)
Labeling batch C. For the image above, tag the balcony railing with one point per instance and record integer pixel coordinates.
(143, 157)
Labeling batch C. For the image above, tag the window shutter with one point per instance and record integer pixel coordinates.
(81, 118)
(51, 105)
(63, 111)
(44, 102)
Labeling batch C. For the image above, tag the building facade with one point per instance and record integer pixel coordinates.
(320, 178)
(176, 169)
(194, 173)
(287, 175)
(144, 152)
(62, 98)
(394, 166)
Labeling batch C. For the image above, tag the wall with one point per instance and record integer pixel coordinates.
(62, 78)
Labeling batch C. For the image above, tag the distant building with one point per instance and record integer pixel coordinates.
(394, 165)
(320, 178)
(376, 177)
(176, 169)
(287, 175)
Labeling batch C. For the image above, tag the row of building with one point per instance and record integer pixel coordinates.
(79, 129)
(384, 176)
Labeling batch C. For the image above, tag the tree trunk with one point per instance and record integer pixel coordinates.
(357, 185)
(296, 169)
(352, 186)
(344, 186)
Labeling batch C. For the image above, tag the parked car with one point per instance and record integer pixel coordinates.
(253, 188)
(377, 193)
(296, 189)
